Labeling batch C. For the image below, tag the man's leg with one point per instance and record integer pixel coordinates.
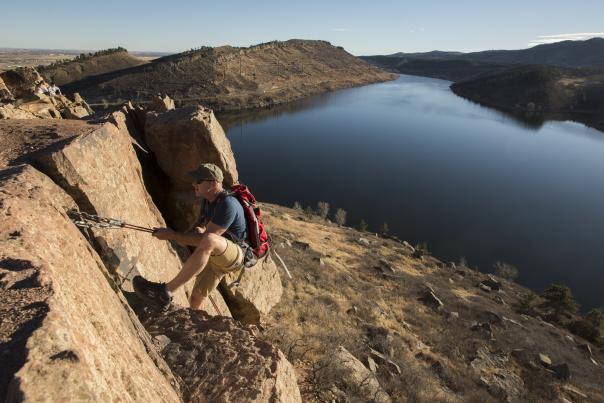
(196, 301)
(211, 244)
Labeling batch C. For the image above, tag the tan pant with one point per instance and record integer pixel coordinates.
(218, 265)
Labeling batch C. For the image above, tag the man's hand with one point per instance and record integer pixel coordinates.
(165, 234)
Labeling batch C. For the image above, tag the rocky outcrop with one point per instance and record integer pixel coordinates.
(258, 290)
(101, 172)
(348, 373)
(181, 139)
(221, 361)
(65, 334)
(5, 94)
(21, 81)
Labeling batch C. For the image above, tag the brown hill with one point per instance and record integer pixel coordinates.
(88, 65)
(548, 91)
(234, 78)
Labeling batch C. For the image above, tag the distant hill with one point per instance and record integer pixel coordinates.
(570, 93)
(88, 65)
(588, 53)
(446, 69)
(233, 78)
(433, 55)
(456, 66)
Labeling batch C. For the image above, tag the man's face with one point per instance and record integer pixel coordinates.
(202, 188)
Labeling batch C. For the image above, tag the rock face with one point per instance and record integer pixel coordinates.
(221, 361)
(21, 81)
(66, 332)
(101, 172)
(258, 290)
(181, 139)
(40, 106)
(5, 94)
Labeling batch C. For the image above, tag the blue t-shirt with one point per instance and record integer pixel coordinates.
(227, 213)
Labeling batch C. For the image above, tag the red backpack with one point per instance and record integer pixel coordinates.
(257, 236)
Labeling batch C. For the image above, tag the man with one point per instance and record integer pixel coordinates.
(222, 223)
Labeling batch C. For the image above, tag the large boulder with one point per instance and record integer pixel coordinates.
(219, 360)
(101, 172)
(21, 81)
(5, 94)
(348, 374)
(39, 105)
(65, 334)
(181, 139)
(253, 293)
(9, 111)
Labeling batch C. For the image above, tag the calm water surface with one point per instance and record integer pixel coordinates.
(467, 180)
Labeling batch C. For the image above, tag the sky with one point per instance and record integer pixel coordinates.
(361, 27)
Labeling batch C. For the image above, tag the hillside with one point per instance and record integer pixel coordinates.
(375, 297)
(235, 78)
(456, 66)
(89, 65)
(435, 67)
(553, 92)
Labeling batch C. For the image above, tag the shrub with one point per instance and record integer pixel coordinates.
(322, 209)
(384, 228)
(560, 299)
(297, 206)
(362, 226)
(506, 271)
(596, 317)
(309, 212)
(340, 217)
(585, 329)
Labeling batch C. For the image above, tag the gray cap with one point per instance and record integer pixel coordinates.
(207, 172)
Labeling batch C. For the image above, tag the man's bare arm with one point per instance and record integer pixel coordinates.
(190, 238)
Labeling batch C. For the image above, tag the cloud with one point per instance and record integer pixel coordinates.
(342, 30)
(565, 37)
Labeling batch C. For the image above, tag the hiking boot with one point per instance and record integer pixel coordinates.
(149, 291)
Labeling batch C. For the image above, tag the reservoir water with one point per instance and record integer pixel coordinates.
(467, 180)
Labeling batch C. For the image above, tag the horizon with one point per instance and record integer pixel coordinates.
(387, 27)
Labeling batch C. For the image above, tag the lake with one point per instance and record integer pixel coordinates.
(467, 180)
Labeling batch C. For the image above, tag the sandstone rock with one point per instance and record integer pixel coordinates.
(492, 283)
(9, 111)
(69, 335)
(500, 381)
(21, 81)
(544, 360)
(161, 104)
(562, 371)
(181, 140)
(39, 105)
(371, 364)
(258, 291)
(101, 172)
(5, 94)
(385, 361)
(219, 360)
(430, 299)
(345, 368)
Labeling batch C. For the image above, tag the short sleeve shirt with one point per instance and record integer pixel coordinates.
(227, 213)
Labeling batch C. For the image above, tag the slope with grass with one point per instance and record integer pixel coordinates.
(236, 78)
(84, 66)
(368, 294)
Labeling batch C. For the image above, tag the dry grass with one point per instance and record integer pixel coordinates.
(339, 296)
